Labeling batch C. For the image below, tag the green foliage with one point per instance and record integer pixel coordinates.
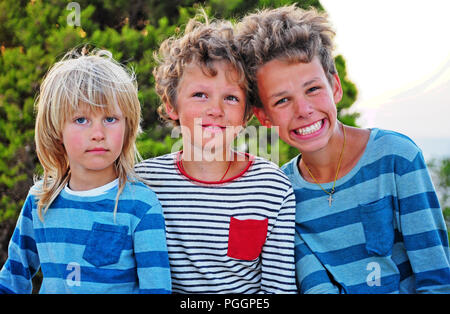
(350, 93)
(34, 34)
(148, 147)
(440, 171)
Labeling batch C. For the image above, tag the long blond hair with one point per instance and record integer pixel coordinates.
(97, 80)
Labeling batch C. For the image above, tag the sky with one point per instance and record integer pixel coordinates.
(398, 55)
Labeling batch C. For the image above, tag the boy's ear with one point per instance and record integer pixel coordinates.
(171, 111)
(262, 117)
(337, 88)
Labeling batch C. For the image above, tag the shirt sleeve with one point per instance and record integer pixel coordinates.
(312, 277)
(152, 258)
(23, 260)
(278, 265)
(423, 228)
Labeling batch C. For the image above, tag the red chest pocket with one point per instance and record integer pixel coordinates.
(246, 238)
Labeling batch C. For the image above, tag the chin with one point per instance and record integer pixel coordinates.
(311, 147)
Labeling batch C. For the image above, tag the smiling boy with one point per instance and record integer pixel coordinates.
(366, 206)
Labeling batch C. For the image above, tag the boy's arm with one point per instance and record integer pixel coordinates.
(23, 260)
(422, 225)
(312, 277)
(150, 248)
(278, 265)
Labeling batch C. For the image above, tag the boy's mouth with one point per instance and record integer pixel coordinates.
(213, 127)
(310, 129)
(97, 150)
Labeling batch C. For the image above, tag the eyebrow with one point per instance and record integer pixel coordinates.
(232, 88)
(279, 94)
(196, 86)
(310, 82)
(307, 83)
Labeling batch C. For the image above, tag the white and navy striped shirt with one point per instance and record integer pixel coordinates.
(232, 237)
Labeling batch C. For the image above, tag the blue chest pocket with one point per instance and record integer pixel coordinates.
(377, 219)
(105, 244)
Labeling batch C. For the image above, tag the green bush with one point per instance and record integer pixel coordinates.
(34, 34)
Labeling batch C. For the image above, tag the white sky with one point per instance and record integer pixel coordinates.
(398, 55)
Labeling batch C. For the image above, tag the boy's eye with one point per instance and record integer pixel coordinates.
(200, 95)
(313, 89)
(281, 101)
(232, 98)
(81, 120)
(110, 120)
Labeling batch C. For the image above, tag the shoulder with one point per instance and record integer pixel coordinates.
(159, 162)
(29, 208)
(36, 188)
(290, 168)
(267, 170)
(391, 142)
(156, 171)
(31, 200)
(163, 159)
(138, 200)
(266, 165)
(34, 193)
(137, 190)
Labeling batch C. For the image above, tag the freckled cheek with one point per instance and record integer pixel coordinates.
(190, 115)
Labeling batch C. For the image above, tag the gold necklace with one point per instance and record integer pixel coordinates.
(330, 194)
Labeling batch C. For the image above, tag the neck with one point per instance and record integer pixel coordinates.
(193, 153)
(212, 171)
(87, 180)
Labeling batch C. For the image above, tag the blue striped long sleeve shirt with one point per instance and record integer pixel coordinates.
(384, 232)
(82, 248)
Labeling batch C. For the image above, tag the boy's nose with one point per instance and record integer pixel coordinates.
(215, 108)
(303, 109)
(98, 133)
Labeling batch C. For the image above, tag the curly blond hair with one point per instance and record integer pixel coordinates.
(87, 78)
(286, 33)
(202, 44)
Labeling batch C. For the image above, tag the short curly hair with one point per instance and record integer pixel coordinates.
(285, 33)
(203, 44)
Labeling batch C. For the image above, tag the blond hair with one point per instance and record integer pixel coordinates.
(81, 78)
(286, 33)
(202, 44)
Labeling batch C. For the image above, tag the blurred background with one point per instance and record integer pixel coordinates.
(392, 56)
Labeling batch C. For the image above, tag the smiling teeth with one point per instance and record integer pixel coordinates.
(212, 127)
(310, 129)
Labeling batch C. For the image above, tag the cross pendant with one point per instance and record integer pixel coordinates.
(330, 199)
